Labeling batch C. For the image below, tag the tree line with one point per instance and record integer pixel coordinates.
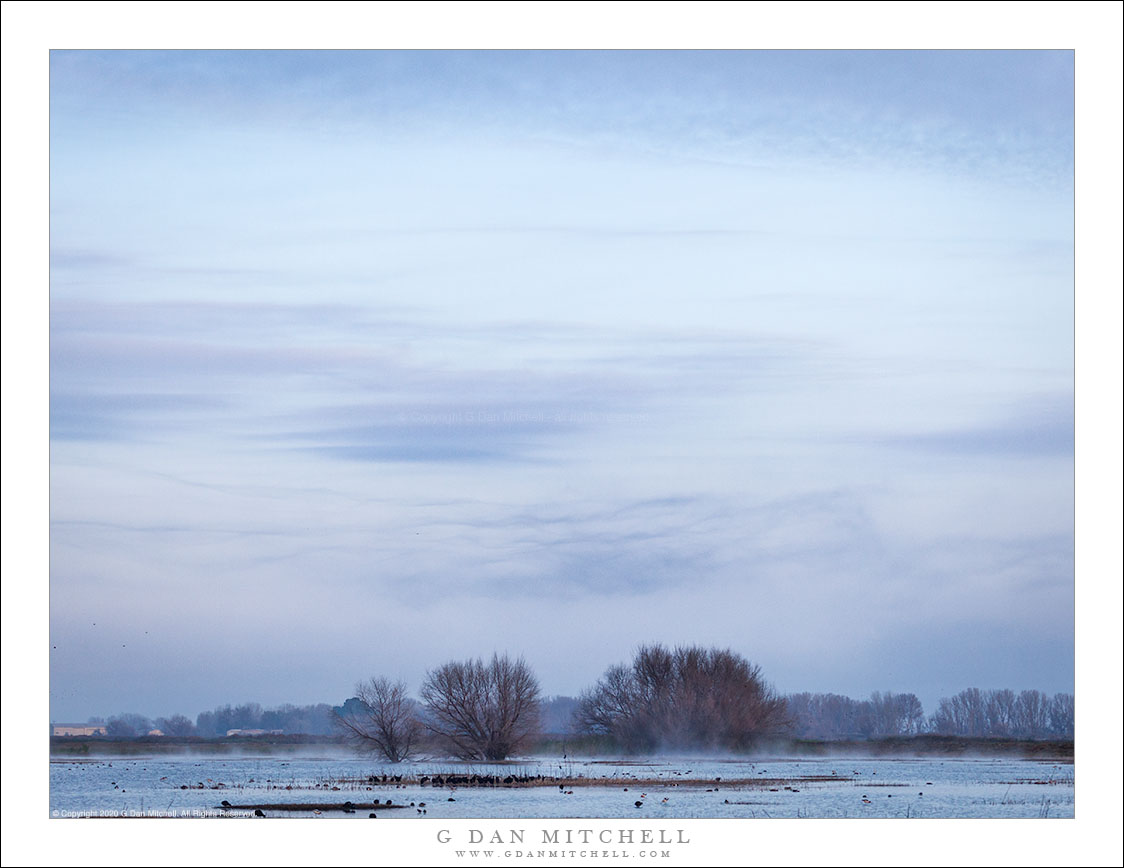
(972, 713)
(307, 719)
(999, 713)
(831, 716)
(682, 698)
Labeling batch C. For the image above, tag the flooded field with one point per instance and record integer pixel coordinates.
(549, 787)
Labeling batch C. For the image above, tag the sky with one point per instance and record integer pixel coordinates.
(366, 361)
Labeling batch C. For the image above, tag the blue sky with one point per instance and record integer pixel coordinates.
(365, 361)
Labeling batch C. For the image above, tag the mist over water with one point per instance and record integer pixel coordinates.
(666, 787)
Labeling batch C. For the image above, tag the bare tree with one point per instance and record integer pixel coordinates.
(482, 710)
(998, 713)
(1031, 714)
(381, 717)
(1061, 715)
(963, 714)
(1001, 709)
(690, 697)
(894, 714)
(830, 716)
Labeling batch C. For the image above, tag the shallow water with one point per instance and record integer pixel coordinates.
(699, 788)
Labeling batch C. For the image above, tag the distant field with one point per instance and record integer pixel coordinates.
(920, 745)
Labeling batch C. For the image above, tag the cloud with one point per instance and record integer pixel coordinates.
(362, 385)
(1039, 429)
(84, 260)
(126, 415)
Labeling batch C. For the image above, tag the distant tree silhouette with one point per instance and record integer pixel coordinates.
(1061, 715)
(176, 725)
(309, 719)
(1001, 713)
(831, 716)
(557, 713)
(1030, 715)
(127, 725)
